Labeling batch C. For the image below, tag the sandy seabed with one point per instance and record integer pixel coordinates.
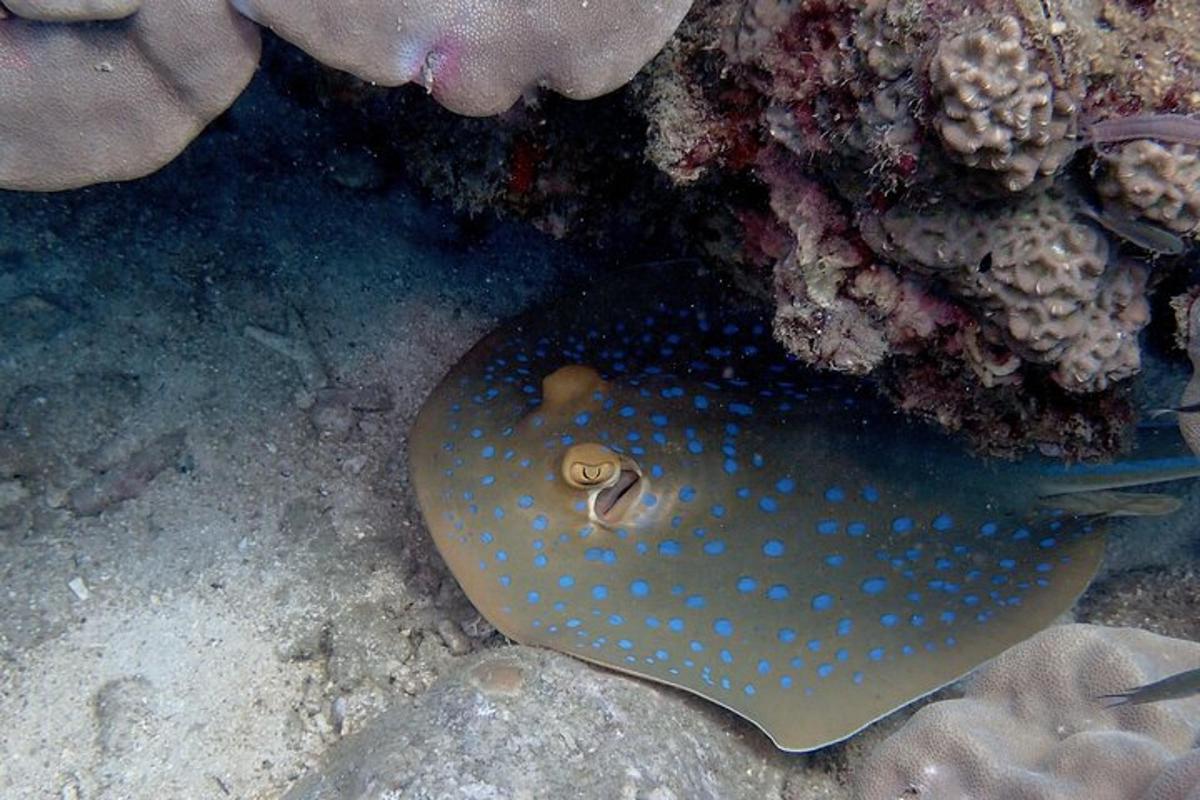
(210, 561)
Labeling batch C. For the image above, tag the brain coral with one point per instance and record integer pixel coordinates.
(477, 56)
(996, 110)
(1032, 727)
(1159, 182)
(1041, 276)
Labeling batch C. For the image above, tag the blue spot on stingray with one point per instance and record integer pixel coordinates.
(714, 548)
(723, 627)
(603, 554)
(659, 419)
(942, 522)
(835, 560)
(573, 622)
(730, 466)
(726, 656)
(943, 563)
(835, 494)
(650, 500)
(1020, 534)
(533, 597)
(540, 560)
(764, 667)
(842, 654)
(675, 624)
(505, 580)
(768, 505)
(718, 511)
(786, 635)
(488, 480)
(656, 471)
(741, 409)
(743, 492)
(700, 533)
(902, 524)
(778, 592)
(695, 601)
(486, 537)
(827, 527)
(566, 581)
(616, 619)
(476, 433)
(600, 591)
(488, 451)
(870, 494)
(875, 654)
(525, 501)
(540, 522)
(1047, 543)
(498, 512)
(700, 401)
(639, 588)
(582, 418)
(856, 528)
(687, 494)
(785, 485)
(502, 555)
(889, 620)
(746, 584)
(822, 602)
(772, 548)
(814, 645)
(695, 447)
(946, 617)
(845, 626)
(662, 655)
(669, 547)
(652, 622)
(696, 647)
(624, 644)
(785, 681)
(627, 411)
(873, 586)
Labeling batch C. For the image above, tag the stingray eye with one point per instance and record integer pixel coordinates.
(589, 466)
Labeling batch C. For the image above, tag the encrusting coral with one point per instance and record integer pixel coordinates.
(1003, 130)
(1033, 724)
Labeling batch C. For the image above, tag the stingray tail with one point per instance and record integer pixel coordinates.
(1100, 488)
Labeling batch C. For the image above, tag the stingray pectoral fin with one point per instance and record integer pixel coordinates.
(1108, 503)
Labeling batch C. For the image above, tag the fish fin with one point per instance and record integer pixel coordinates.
(1161, 456)
(1108, 503)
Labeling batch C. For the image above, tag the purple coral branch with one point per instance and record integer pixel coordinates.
(1174, 128)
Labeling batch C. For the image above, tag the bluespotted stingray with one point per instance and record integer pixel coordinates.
(640, 477)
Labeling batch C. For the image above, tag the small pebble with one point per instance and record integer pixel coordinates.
(454, 637)
(79, 588)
